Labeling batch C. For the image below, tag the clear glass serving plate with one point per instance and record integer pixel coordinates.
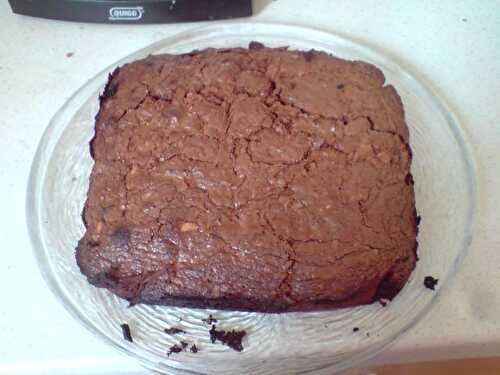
(318, 342)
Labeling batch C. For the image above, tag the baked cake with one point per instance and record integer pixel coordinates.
(252, 179)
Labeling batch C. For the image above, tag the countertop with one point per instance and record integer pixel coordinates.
(453, 46)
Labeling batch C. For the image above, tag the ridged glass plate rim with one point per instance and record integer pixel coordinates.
(285, 31)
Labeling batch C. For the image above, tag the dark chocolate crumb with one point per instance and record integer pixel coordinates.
(70, 54)
(193, 348)
(131, 304)
(355, 329)
(174, 349)
(464, 19)
(255, 45)
(231, 338)
(340, 87)
(367, 334)
(430, 282)
(210, 320)
(184, 344)
(126, 332)
(173, 331)
(213, 337)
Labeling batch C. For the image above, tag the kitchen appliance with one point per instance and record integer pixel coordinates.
(133, 11)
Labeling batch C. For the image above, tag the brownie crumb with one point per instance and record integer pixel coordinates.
(193, 348)
(355, 329)
(173, 331)
(213, 337)
(340, 87)
(174, 349)
(126, 332)
(210, 320)
(418, 220)
(231, 338)
(430, 282)
(184, 344)
(70, 54)
(383, 302)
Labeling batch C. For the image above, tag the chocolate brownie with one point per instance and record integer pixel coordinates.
(253, 179)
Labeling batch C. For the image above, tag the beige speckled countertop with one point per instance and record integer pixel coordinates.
(453, 45)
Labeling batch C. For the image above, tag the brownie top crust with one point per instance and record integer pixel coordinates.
(256, 179)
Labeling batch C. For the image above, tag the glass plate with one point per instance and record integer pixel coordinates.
(319, 342)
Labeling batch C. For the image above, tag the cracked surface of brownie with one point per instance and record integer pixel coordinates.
(255, 179)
